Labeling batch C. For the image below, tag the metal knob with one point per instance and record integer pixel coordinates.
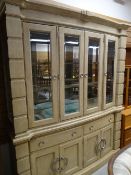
(41, 143)
(105, 73)
(54, 77)
(74, 134)
(91, 128)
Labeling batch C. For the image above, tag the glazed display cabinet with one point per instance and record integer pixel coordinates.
(66, 75)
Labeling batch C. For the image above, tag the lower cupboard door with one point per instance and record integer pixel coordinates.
(45, 162)
(107, 137)
(91, 148)
(71, 154)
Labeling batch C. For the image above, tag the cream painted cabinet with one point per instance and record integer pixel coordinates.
(66, 71)
(97, 144)
(64, 159)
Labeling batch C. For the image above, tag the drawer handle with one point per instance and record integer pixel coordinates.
(53, 165)
(41, 143)
(103, 143)
(98, 147)
(65, 160)
(91, 128)
(74, 133)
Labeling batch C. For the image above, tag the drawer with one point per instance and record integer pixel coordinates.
(128, 141)
(128, 121)
(97, 124)
(54, 139)
(128, 134)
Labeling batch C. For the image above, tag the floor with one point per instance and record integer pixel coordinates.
(102, 170)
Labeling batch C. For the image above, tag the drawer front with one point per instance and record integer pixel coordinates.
(95, 125)
(127, 142)
(54, 139)
(128, 121)
(128, 134)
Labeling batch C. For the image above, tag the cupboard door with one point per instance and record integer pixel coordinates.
(91, 148)
(41, 74)
(107, 139)
(71, 72)
(110, 62)
(71, 156)
(93, 72)
(45, 162)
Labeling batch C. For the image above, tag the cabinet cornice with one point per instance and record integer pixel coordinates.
(73, 12)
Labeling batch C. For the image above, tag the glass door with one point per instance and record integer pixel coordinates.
(71, 72)
(110, 61)
(93, 72)
(41, 74)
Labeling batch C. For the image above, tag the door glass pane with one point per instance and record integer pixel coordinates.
(71, 54)
(41, 74)
(125, 86)
(129, 88)
(93, 66)
(110, 71)
(129, 94)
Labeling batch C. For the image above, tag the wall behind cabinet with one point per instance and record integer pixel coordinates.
(108, 8)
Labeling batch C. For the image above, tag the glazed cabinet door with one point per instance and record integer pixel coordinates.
(91, 148)
(41, 74)
(71, 154)
(106, 139)
(71, 72)
(93, 72)
(110, 63)
(45, 162)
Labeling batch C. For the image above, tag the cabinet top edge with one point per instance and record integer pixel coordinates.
(69, 11)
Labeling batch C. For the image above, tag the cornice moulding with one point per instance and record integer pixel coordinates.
(69, 11)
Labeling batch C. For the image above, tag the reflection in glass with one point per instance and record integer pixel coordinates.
(71, 54)
(93, 65)
(110, 71)
(41, 74)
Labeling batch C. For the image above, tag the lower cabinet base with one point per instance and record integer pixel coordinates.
(96, 165)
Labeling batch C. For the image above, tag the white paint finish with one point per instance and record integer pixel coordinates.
(108, 8)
